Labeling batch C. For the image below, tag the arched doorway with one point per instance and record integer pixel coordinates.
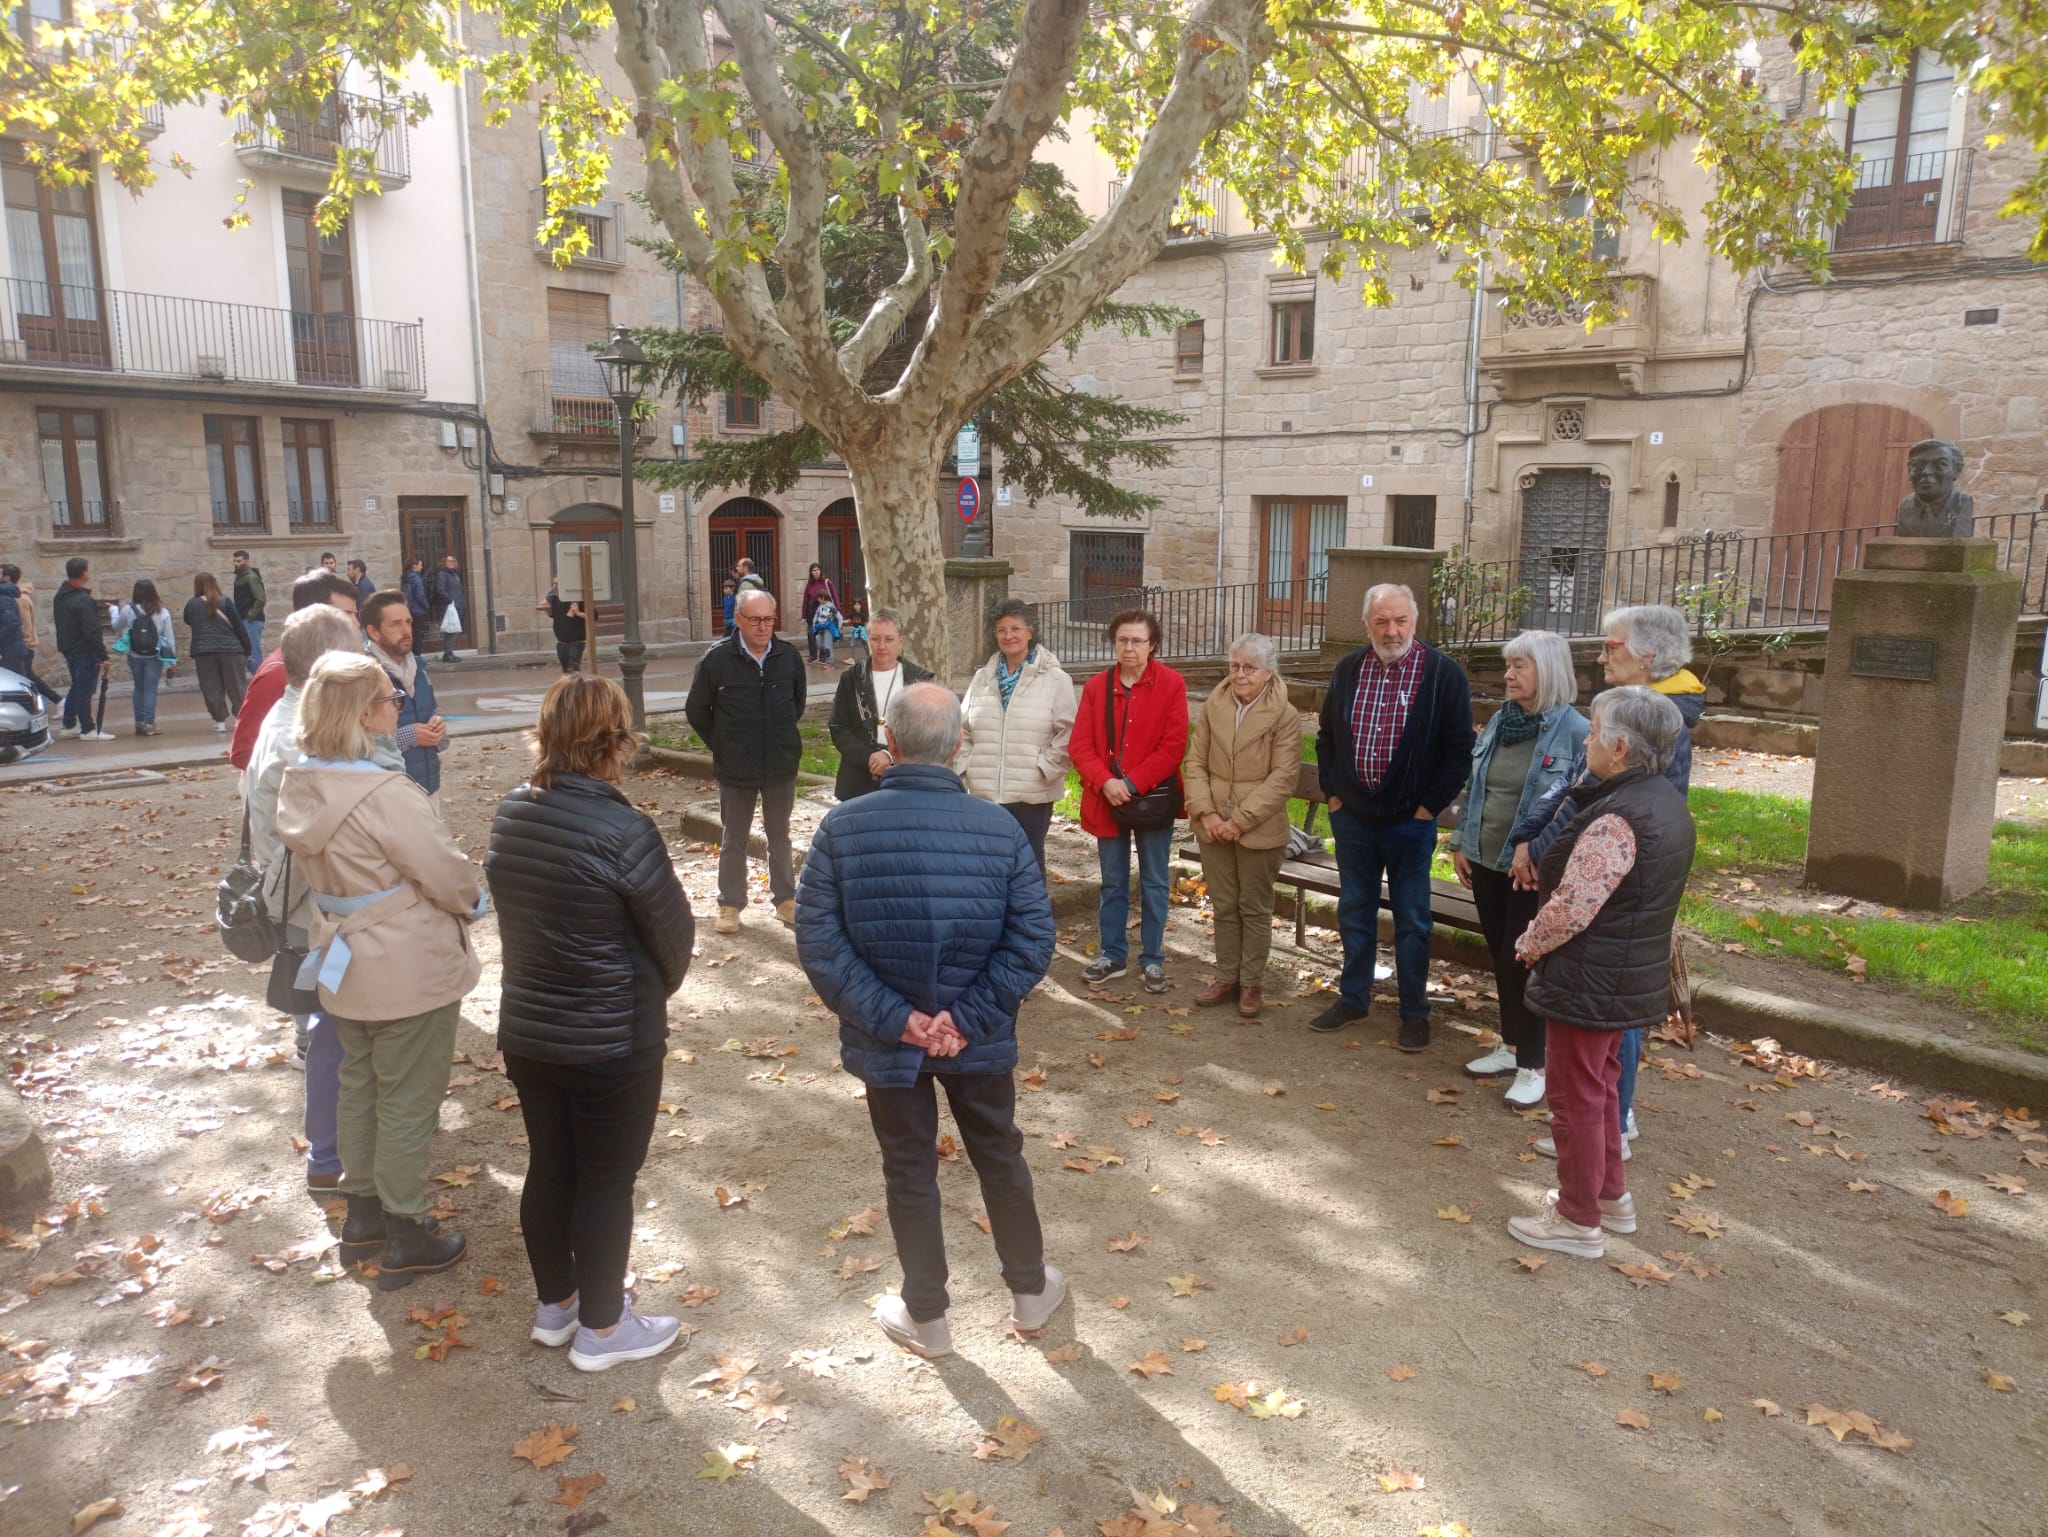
(1841, 472)
(750, 527)
(839, 551)
(593, 523)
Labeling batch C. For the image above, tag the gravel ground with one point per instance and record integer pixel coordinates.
(1312, 1186)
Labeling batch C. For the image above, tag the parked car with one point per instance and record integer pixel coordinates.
(24, 719)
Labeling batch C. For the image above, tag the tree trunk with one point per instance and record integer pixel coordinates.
(896, 498)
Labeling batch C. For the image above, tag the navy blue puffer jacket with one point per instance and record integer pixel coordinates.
(921, 897)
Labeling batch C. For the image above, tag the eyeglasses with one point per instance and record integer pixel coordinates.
(1246, 667)
(394, 698)
(1613, 645)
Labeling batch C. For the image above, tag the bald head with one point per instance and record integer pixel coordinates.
(924, 724)
(755, 601)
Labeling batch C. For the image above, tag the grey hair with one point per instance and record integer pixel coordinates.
(1387, 589)
(1259, 648)
(886, 616)
(1657, 633)
(1642, 718)
(1016, 608)
(740, 606)
(924, 724)
(1557, 682)
(310, 634)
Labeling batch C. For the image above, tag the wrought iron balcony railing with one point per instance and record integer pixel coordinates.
(345, 121)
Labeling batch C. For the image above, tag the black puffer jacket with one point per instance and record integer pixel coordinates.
(1615, 974)
(595, 928)
(747, 712)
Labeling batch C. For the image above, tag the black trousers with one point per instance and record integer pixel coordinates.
(1036, 820)
(587, 1135)
(570, 654)
(906, 1123)
(1503, 914)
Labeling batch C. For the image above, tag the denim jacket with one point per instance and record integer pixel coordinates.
(1560, 744)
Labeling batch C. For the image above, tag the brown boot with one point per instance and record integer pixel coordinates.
(1216, 992)
(1249, 1001)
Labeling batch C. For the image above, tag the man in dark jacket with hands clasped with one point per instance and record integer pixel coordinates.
(922, 922)
(1394, 746)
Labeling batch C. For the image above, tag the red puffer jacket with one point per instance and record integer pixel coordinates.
(1151, 723)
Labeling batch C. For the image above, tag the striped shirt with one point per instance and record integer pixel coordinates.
(1379, 711)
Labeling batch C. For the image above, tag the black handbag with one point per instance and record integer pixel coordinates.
(1158, 806)
(245, 924)
(283, 992)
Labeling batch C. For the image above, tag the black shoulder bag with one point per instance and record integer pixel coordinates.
(246, 927)
(284, 993)
(1158, 806)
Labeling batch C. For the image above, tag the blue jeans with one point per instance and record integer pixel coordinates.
(85, 677)
(148, 674)
(1631, 1054)
(323, 1096)
(1155, 849)
(253, 628)
(1401, 851)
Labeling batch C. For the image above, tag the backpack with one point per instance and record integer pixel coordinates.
(142, 635)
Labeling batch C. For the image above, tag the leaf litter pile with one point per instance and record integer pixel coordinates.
(1243, 1211)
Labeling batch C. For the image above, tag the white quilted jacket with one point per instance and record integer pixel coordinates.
(1018, 754)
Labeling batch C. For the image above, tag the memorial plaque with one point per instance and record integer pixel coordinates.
(1893, 656)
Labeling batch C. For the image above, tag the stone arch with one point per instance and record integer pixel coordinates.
(597, 523)
(749, 526)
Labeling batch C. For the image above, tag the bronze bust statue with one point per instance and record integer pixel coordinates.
(1936, 509)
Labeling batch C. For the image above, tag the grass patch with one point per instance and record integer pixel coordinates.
(820, 755)
(1738, 830)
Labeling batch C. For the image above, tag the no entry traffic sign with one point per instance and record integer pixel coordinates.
(970, 500)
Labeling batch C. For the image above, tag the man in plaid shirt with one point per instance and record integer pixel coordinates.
(1394, 746)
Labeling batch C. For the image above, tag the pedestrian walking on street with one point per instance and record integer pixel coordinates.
(927, 996)
(360, 575)
(422, 735)
(220, 646)
(25, 610)
(142, 633)
(317, 587)
(824, 631)
(1394, 748)
(75, 616)
(450, 604)
(818, 589)
(414, 585)
(309, 634)
(1130, 732)
(731, 598)
(1528, 747)
(596, 934)
(1018, 723)
(860, 708)
(1242, 767)
(13, 643)
(249, 601)
(567, 619)
(1600, 956)
(745, 578)
(745, 703)
(391, 958)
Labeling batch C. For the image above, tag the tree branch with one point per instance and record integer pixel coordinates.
(894, 303)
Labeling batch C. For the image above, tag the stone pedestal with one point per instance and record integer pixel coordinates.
(976, 586)
(1905, 782)
(1354, 573)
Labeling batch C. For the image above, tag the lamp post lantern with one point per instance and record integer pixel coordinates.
(622, 362)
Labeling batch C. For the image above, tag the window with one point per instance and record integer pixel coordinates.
(234, 469)
(1606, 237)
(1906, 174)
(742, 410)
(579, 323)
(26, 20)
(1671, 501)
(74, 470)
(322, 293)
(1105, 572)
(1294, 332)
(1414, 522)
(308, 473)
(53, 250)
(1188, 343)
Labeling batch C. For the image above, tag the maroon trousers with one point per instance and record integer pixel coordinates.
(1585, 1118)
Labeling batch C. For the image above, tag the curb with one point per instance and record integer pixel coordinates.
(24, 1166)
(1921, 1056)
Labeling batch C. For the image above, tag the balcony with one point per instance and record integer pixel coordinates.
(49, 326)
(1555, 336)
(1903, 202)
(601, 222)
(573, 414)
(1193, 225)
(298, 144)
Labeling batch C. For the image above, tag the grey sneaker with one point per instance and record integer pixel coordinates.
(1030, 1310)
(1155, 978)
(1100, 970)
(554, 1323)
(933, 1337)
(635, 1339)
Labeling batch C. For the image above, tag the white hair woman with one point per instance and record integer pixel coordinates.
(1650, 645)
(1018, 722)
(1241, 768)
(1528, 746)
(1600, 953)
(391, 959)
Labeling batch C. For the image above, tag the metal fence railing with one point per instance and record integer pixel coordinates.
(1733, 582)
(1195, 621)
(75, 325)
(364, 126)
(1909, 200)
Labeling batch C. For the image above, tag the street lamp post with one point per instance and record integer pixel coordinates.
(622, 362)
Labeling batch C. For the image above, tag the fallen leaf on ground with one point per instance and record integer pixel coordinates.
(1059, 1355)
(1664, 1382)
(1864, 1187)
(1713, 1416)
(1154, 1363)
(1190, 1345)
(2016, 1318)
(625, 1405)
(864, 1480)
(728, 1199)
(1119, 1303)
(765, 1404)
(1453, 1214)
(1295, 1336)
(1012, 1439)
(695, 1296)
(374, 1482)
(2000, 1383)
(1766, 1408)
(1531, 1262)
(1186, 1285)
(91, 1515)
(1401, 1372)
(2011, 1184)
(1127, 1243)
(576, 1489)
(1841, 1423)
(721, 1463)
(201, 1377)
(1594, 1369)
(1644, 1274)
(1400, 1478)
(850, 1267)
(1633, 1419)
(1700, 1224)
(1950, 1205)
(729, 1372)
(546, 1447)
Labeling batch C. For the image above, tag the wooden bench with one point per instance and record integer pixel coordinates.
(1449, 903)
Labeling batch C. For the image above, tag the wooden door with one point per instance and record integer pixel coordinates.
(749, 527)
(1295, 538)
(322, 294)
(839, 551)
(430, 527)
(1840, 469)
(53, 246)
(1564, 548)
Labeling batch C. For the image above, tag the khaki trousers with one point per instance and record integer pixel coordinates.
(1240, 882)
(394, 1075)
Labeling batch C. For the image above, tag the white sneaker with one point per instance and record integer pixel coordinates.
(1552, 1230)
(1629, 1132)
(1498, 1060)
(1527, 1089)
(96, 736)
(934, 1337)
(71, 731)
(1617, 1216)
(1547, 1146)
(220, 728)
(1030, 1310)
